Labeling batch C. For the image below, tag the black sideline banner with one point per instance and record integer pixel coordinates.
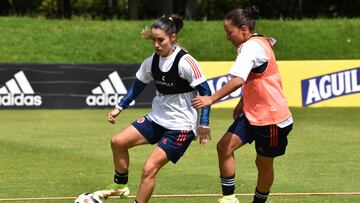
(68, 86)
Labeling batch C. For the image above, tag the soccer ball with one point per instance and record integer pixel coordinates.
(88, 198)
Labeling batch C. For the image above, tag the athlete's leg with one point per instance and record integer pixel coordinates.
(265, 178)
(265, 172)
(233, 139)
(225, 149)
(121, 142)
(155, 161)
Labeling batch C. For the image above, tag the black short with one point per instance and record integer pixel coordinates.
(270, 140)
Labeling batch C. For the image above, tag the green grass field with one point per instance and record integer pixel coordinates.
(25, 40)
(62, 153)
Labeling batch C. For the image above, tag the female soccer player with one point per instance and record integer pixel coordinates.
(262, 113)
(172, 123)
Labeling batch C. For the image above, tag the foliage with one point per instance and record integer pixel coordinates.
(214, 9)
(190, 9)
(290, 9)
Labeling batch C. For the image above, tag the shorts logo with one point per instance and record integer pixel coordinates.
(108, 93)
(140, 120)
(164, 140)
(218, 82)
(18, 92)
(329, 86)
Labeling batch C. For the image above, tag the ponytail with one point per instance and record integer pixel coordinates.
(178, 23)
(240, 17)
(171, 25)
(252, 11)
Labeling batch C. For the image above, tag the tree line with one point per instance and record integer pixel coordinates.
(189, 9)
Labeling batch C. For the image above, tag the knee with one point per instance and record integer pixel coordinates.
(223, 148)
(219, 147)
(117, 143)
(149, 171)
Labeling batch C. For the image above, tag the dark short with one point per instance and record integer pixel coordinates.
(173, 142)
(270, 140)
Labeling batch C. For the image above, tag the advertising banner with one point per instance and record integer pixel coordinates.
(68, 86)
(322, 83)
(328, 83)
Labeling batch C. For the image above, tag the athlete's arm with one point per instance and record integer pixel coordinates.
(204, 90)
(136, 88)
(203, 130)
(233, 84)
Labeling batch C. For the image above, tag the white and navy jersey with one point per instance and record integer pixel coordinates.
(174, 111)
(250, 55)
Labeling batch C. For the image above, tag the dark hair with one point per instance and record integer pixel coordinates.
(240, 17)
(171, 24)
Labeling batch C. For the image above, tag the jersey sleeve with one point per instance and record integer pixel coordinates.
(189, 69)
(144, 73)
(250, 55)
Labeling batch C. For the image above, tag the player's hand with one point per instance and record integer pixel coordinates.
(204, 134)
(201, 101)
(113, 114)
